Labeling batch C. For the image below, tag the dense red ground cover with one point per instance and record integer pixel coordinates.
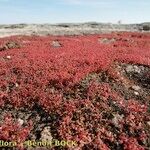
(40, 74)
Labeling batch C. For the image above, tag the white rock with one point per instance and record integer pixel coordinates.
(106, 40)
(137, 69)
(20, 121)
(136, 93)
(56, 44)
(46, 134)
(17, 85)
(136, 88)
(129, 68)
(148, 123)
(8, 57)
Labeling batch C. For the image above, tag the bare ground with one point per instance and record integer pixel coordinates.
(69, 28)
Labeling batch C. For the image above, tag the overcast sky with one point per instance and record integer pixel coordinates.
(60, 11)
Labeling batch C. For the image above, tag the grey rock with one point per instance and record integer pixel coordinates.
(131, 68)
(137, 69)
(117, 118)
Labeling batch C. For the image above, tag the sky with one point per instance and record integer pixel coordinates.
(74, 11)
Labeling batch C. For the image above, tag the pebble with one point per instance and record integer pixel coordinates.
(56, 44)
(117, 118)
(46, 134)
(131, 68)
(136, 87)
(148, 123)
(137, 69)
(106, 41)
(20, 121)
(136, 93)
(8, 57)
(17, 85)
